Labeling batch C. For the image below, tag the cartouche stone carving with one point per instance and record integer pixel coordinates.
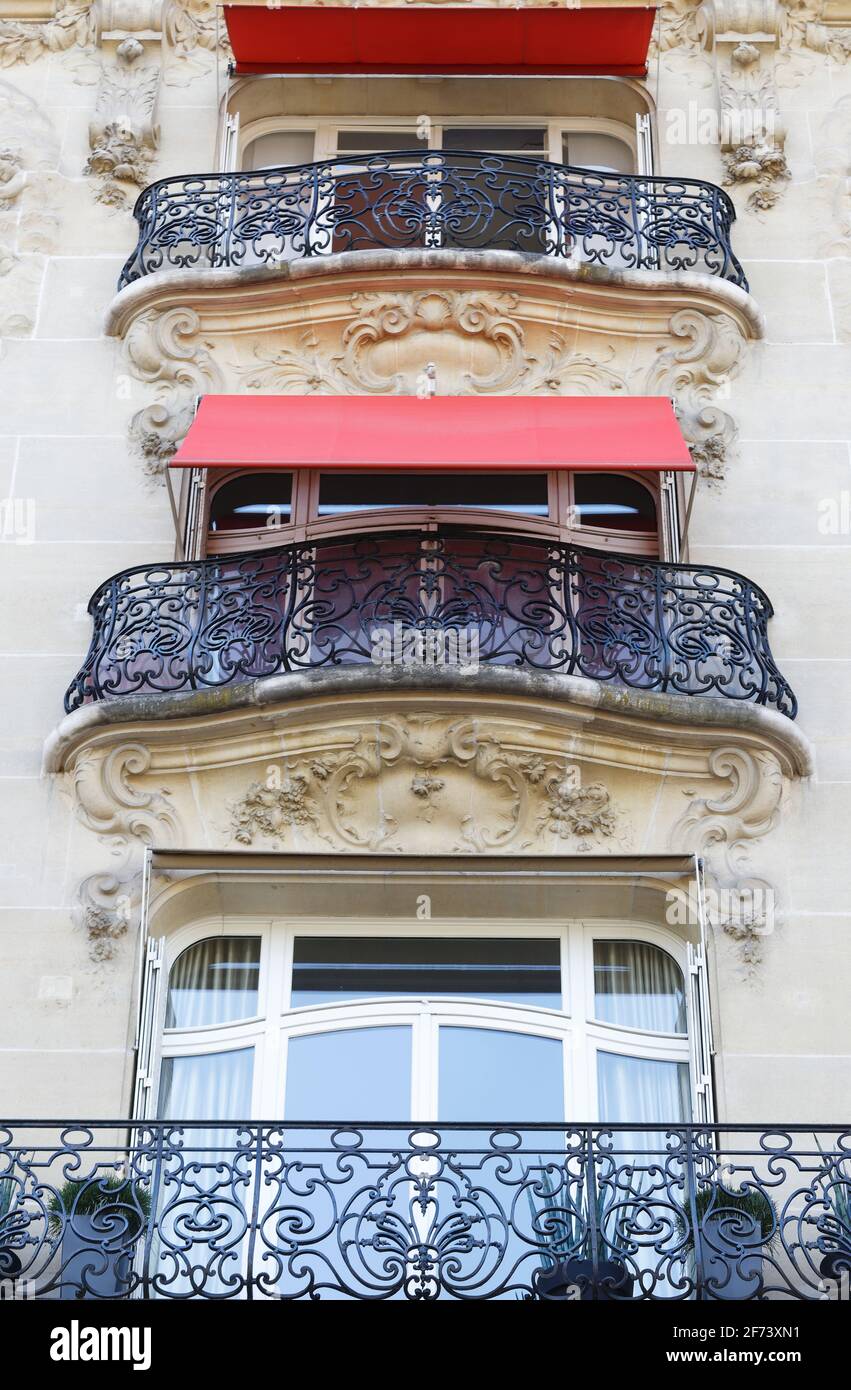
(476, 337)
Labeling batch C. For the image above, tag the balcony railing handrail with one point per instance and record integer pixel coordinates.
(521, 600)
(297, 1209)
(430, 199)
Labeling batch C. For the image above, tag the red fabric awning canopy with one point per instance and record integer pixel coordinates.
(439, 432)
(612, 41)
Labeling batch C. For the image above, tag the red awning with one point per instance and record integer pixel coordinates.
(569, 42)
(439, 432)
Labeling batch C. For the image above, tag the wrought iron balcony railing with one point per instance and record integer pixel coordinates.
(244, 1210)
(456, 597)
(460, 200)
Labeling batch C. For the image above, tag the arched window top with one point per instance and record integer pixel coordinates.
(614, 502)
(638, 985)
(214, 981)
(252, 500)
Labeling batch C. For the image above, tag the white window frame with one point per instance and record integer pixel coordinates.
(269, 1031)
(326, 131)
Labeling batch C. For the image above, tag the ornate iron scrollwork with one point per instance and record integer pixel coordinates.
(412, 199)
(526, 601)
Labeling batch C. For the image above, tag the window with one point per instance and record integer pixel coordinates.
(592, 150)
(250, 510)
(341, 493)
(252, 500)
(329, 969)
(612, 502)
(280, 148)
(585, 141)
(467, 1022)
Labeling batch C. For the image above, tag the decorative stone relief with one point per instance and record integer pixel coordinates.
(109, 802)
(576, 812)
(164, 350)
(106, 905)
(25, 42)
(704, 358)
(430, 773)
(833, 164)
(282, 801)
(743, 38)
(123, 134)
(27, 221)
(405, 776)
(473, 338)
(721, 829)
(192, 24)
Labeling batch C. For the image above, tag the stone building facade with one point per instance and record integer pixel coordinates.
(137, 809)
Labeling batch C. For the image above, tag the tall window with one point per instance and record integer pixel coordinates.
(467, 1023)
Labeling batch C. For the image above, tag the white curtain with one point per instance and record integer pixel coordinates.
(211, 1086)
(205, 1200)
(639, 1090)
(639, 986)
(214, 981)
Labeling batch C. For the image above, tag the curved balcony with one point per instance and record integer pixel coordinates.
(452, 597)
(464, 1211)
(437, 200)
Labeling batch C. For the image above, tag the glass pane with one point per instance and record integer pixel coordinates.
(351, 492)
(213, 1086)
(279, 148)
(496, 139)
(639, 1090)
(638, 985)
(214, 981)
(351, 1074)
(613, 502)
(589, 150)
(256, 499)
(326, 969)
(489, 1075)
(378, 141)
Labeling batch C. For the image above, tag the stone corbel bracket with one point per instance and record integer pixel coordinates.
(743, 37)
(123, 132)
(721, 829)
(122, 812)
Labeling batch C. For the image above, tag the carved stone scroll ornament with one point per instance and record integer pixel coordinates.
(474, 338)
(122, 814)
(721, 829)
(164, 350)
(410, 783)
(123, 133)
(696, 370)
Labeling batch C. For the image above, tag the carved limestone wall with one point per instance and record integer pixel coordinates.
(29, 223)
(515, 333)
(415, 773)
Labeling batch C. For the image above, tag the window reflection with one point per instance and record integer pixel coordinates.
(329, 969)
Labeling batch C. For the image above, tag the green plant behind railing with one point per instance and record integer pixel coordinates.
(111, 1195)
(715, 1200)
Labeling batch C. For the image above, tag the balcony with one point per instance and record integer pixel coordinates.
(453, 200)
(446, 597)
(248, 1210)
